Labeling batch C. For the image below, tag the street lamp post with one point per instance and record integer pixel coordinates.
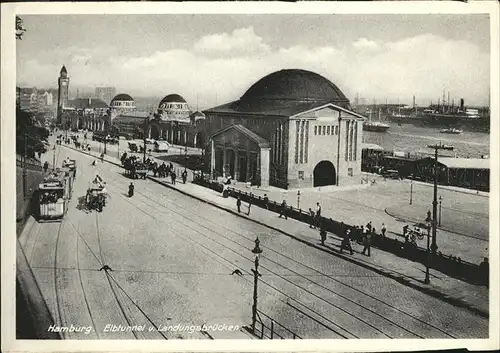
(256, 250)
(440, 200)
(298, 199)
(428, 262)
(411, 192)
(435, 202)
(54, 159)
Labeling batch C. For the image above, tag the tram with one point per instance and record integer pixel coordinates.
(53, 196)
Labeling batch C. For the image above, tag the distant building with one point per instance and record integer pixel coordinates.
(122, 104)
(80, 113)
(131, 124)
(39, 102)
(105, 93)
(292, 128)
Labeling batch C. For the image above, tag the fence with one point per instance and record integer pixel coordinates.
(273, 328)
(31, 163)
(450, 265)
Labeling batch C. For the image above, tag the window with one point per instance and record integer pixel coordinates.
(336, 130)
(328, 130)
(315, 130)
(324, 130)
(301, 175)
(349, 171)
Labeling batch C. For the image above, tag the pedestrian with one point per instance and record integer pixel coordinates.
(311, 215)
(384, 229)
(366, 243)
(322, 233)
(369, 226)
(266, 201)
(318, 214)
(346, 242)
(184, 176)
(238, 204)
(45, 166)
(484, 271)
(172, 177)
(39, 154)
(405, 233)
(283, 209)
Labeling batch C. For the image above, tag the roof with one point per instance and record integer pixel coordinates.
(172, 98)
(462, 163)
(122, 97)
(371, 146)
(89, 103)
(131, 117)
(296, 85)
(197, 113)
(63, 69)
(262, 142)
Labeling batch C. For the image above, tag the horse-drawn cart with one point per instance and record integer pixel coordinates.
(96, 196)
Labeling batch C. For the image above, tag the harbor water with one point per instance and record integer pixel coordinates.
(414, 139)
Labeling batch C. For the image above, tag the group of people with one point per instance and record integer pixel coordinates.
(362, 235)
(161, 170)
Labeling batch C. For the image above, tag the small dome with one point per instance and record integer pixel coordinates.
(294, 84)
(172, 98)
(123, 97)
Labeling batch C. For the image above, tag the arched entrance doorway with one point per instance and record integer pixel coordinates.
(155, 132)
(199, 139)
(324, 174)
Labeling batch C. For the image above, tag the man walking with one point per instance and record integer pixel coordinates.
(249, 204)
(346, 242)
(366, 243)
(318, 214)
(238, 204)
(266, 201)
(384, 229)
(172, 177)
(322, 233)
(45, 166)
(283, 209)
(311, 215)
(184, 176)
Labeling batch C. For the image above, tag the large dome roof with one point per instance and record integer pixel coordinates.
(294, 84)
(122, 97)
(173, 98)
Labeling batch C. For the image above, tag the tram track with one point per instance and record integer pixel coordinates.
(297, 274)
(318, 297)
(190, 219)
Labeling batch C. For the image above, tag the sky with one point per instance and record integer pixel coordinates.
(214, 59)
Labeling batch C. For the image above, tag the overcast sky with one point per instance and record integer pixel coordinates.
(218, 57)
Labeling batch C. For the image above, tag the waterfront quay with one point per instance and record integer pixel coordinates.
(173, 259)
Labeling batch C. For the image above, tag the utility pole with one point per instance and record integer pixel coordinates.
(256, 250)
(144, 140)
(436, 148)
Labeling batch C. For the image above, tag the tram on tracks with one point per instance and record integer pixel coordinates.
(53, 196)
(95, 198)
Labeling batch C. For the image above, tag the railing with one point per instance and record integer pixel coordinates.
(273, 328)
(447, 264)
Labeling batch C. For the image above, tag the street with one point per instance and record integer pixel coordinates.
(172, 257)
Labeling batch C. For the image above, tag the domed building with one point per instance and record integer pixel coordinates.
(291, 129)
(122, 104)
(174, 122)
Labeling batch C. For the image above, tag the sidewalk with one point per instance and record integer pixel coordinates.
(452, 290)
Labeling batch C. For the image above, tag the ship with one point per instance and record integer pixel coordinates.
(375, 126)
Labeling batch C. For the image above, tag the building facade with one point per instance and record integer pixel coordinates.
(122, 104)
(80, 113)
(291, 129)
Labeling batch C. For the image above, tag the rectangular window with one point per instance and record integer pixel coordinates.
(336, 129)
(324, 130)
(328, 130)
(349, 171)
(301, 153)
(297, 128)
(301, 175)
(315, 130)
(306, 143)
(346, 146)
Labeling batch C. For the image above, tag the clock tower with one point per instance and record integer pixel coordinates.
(62, 97)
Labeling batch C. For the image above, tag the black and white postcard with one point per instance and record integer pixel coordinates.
(324, 176)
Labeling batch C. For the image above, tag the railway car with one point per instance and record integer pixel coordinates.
(53, 197)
